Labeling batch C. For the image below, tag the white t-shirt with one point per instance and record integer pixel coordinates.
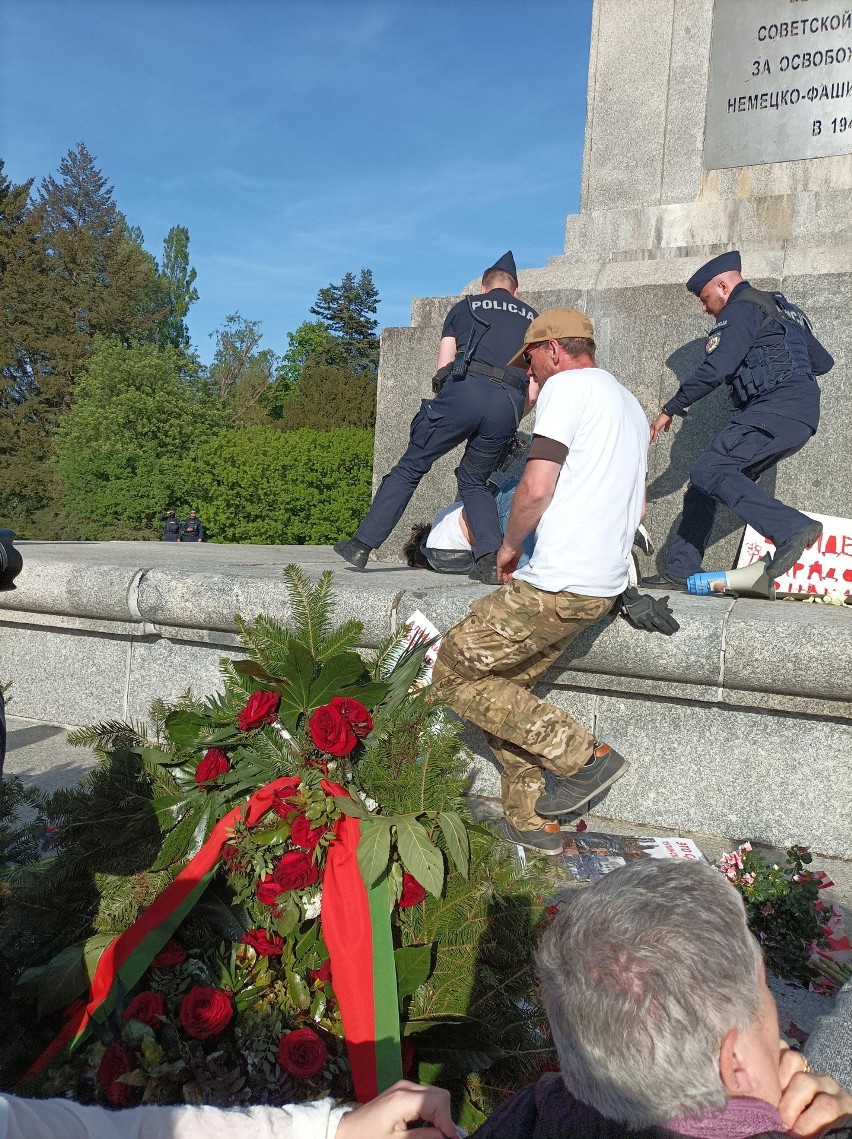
(446, 532)
(584, 537)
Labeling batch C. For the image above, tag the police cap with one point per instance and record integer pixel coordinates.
(506, 264)
(724, 263)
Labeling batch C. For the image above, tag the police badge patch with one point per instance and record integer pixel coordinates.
(712, 343)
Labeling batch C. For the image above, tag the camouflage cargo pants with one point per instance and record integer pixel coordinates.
(487, 666)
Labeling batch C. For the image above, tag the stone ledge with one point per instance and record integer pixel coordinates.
(748, 653)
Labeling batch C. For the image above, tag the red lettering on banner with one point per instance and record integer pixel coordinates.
(847, 544)
(830, 545)
(815, 570)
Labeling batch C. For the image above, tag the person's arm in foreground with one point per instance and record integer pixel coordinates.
(386, 1116)
(535, 490)
(811, 1103)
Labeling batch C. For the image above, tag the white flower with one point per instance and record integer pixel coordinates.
(311, 906)
(369, 803)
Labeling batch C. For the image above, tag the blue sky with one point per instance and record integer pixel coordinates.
(300, 139)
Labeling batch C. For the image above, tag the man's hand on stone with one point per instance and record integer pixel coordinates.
(662, 423)
(507, 561)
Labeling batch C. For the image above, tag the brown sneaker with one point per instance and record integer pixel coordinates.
(601, 771)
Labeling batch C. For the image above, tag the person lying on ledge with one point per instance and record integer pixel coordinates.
(387, 1115)
(657, 1000)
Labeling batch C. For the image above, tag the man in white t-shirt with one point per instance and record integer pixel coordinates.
(583, 492)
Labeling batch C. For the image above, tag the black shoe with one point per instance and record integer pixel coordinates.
(485, 570)
(602, 770)
(355, 552)
(663, 581)
(548, 840)
(789, 552)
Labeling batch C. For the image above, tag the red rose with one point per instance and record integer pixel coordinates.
(263, 944)
(323, 974)
(330, 732)
(262, 708)
(303, 834)
(412, 892)
(206, 1011)
(354, 713)
(117, 1061)
(148, 1007)
(295, 870)
(171, 954)
(302, 1053)
(214, 764)
(269, 891)
(282, 806)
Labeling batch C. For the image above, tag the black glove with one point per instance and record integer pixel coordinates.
(649, 613)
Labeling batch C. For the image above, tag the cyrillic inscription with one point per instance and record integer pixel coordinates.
(780, 83)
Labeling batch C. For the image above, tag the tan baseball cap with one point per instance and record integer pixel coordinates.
(555, 324)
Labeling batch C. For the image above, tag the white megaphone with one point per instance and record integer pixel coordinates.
(750, 581)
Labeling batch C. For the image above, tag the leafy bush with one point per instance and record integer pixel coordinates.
(258, 484)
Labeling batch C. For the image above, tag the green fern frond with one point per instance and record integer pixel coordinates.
(110, 735)
(310, 605)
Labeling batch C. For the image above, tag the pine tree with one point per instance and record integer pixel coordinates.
(346, 310)
(177, 278)
(101, 280)
(26, 482)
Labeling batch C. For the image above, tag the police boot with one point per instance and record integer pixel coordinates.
(789, 552)
(355, 552)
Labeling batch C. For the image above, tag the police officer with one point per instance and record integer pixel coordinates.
(764, 349)
(191, 529)
(171, 526)
(480, 403)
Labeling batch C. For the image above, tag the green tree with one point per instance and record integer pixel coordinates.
(330, 397)
(121, 449)
(311, 344)
(101, 280)
(241, 374)
(347, 311)
(261, 485)
(27, 486)
(177, 278)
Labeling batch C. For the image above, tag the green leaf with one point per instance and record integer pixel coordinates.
(369, 694)
(419, 856)
(374, 849)
(252, 669)
(338, 672)
(413, 966)
(299, 667)
(352, 807)
(470, 1117)
(179, 839)
(183, 727)
(456, 838)
(160, 758)
(299, 992)
(66, 975)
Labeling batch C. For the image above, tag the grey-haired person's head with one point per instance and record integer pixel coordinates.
(642, 975)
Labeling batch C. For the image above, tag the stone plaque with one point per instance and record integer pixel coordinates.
(780, 83)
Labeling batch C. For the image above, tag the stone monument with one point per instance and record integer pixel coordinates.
(710, 125)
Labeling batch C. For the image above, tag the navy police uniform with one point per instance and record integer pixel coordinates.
(171, 527)
(191, 529)
(764, 349)
(482, 409)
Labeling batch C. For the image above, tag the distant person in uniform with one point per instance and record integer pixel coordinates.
(480, 403)
(171, 526)
(191, 529)
(764, 349)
